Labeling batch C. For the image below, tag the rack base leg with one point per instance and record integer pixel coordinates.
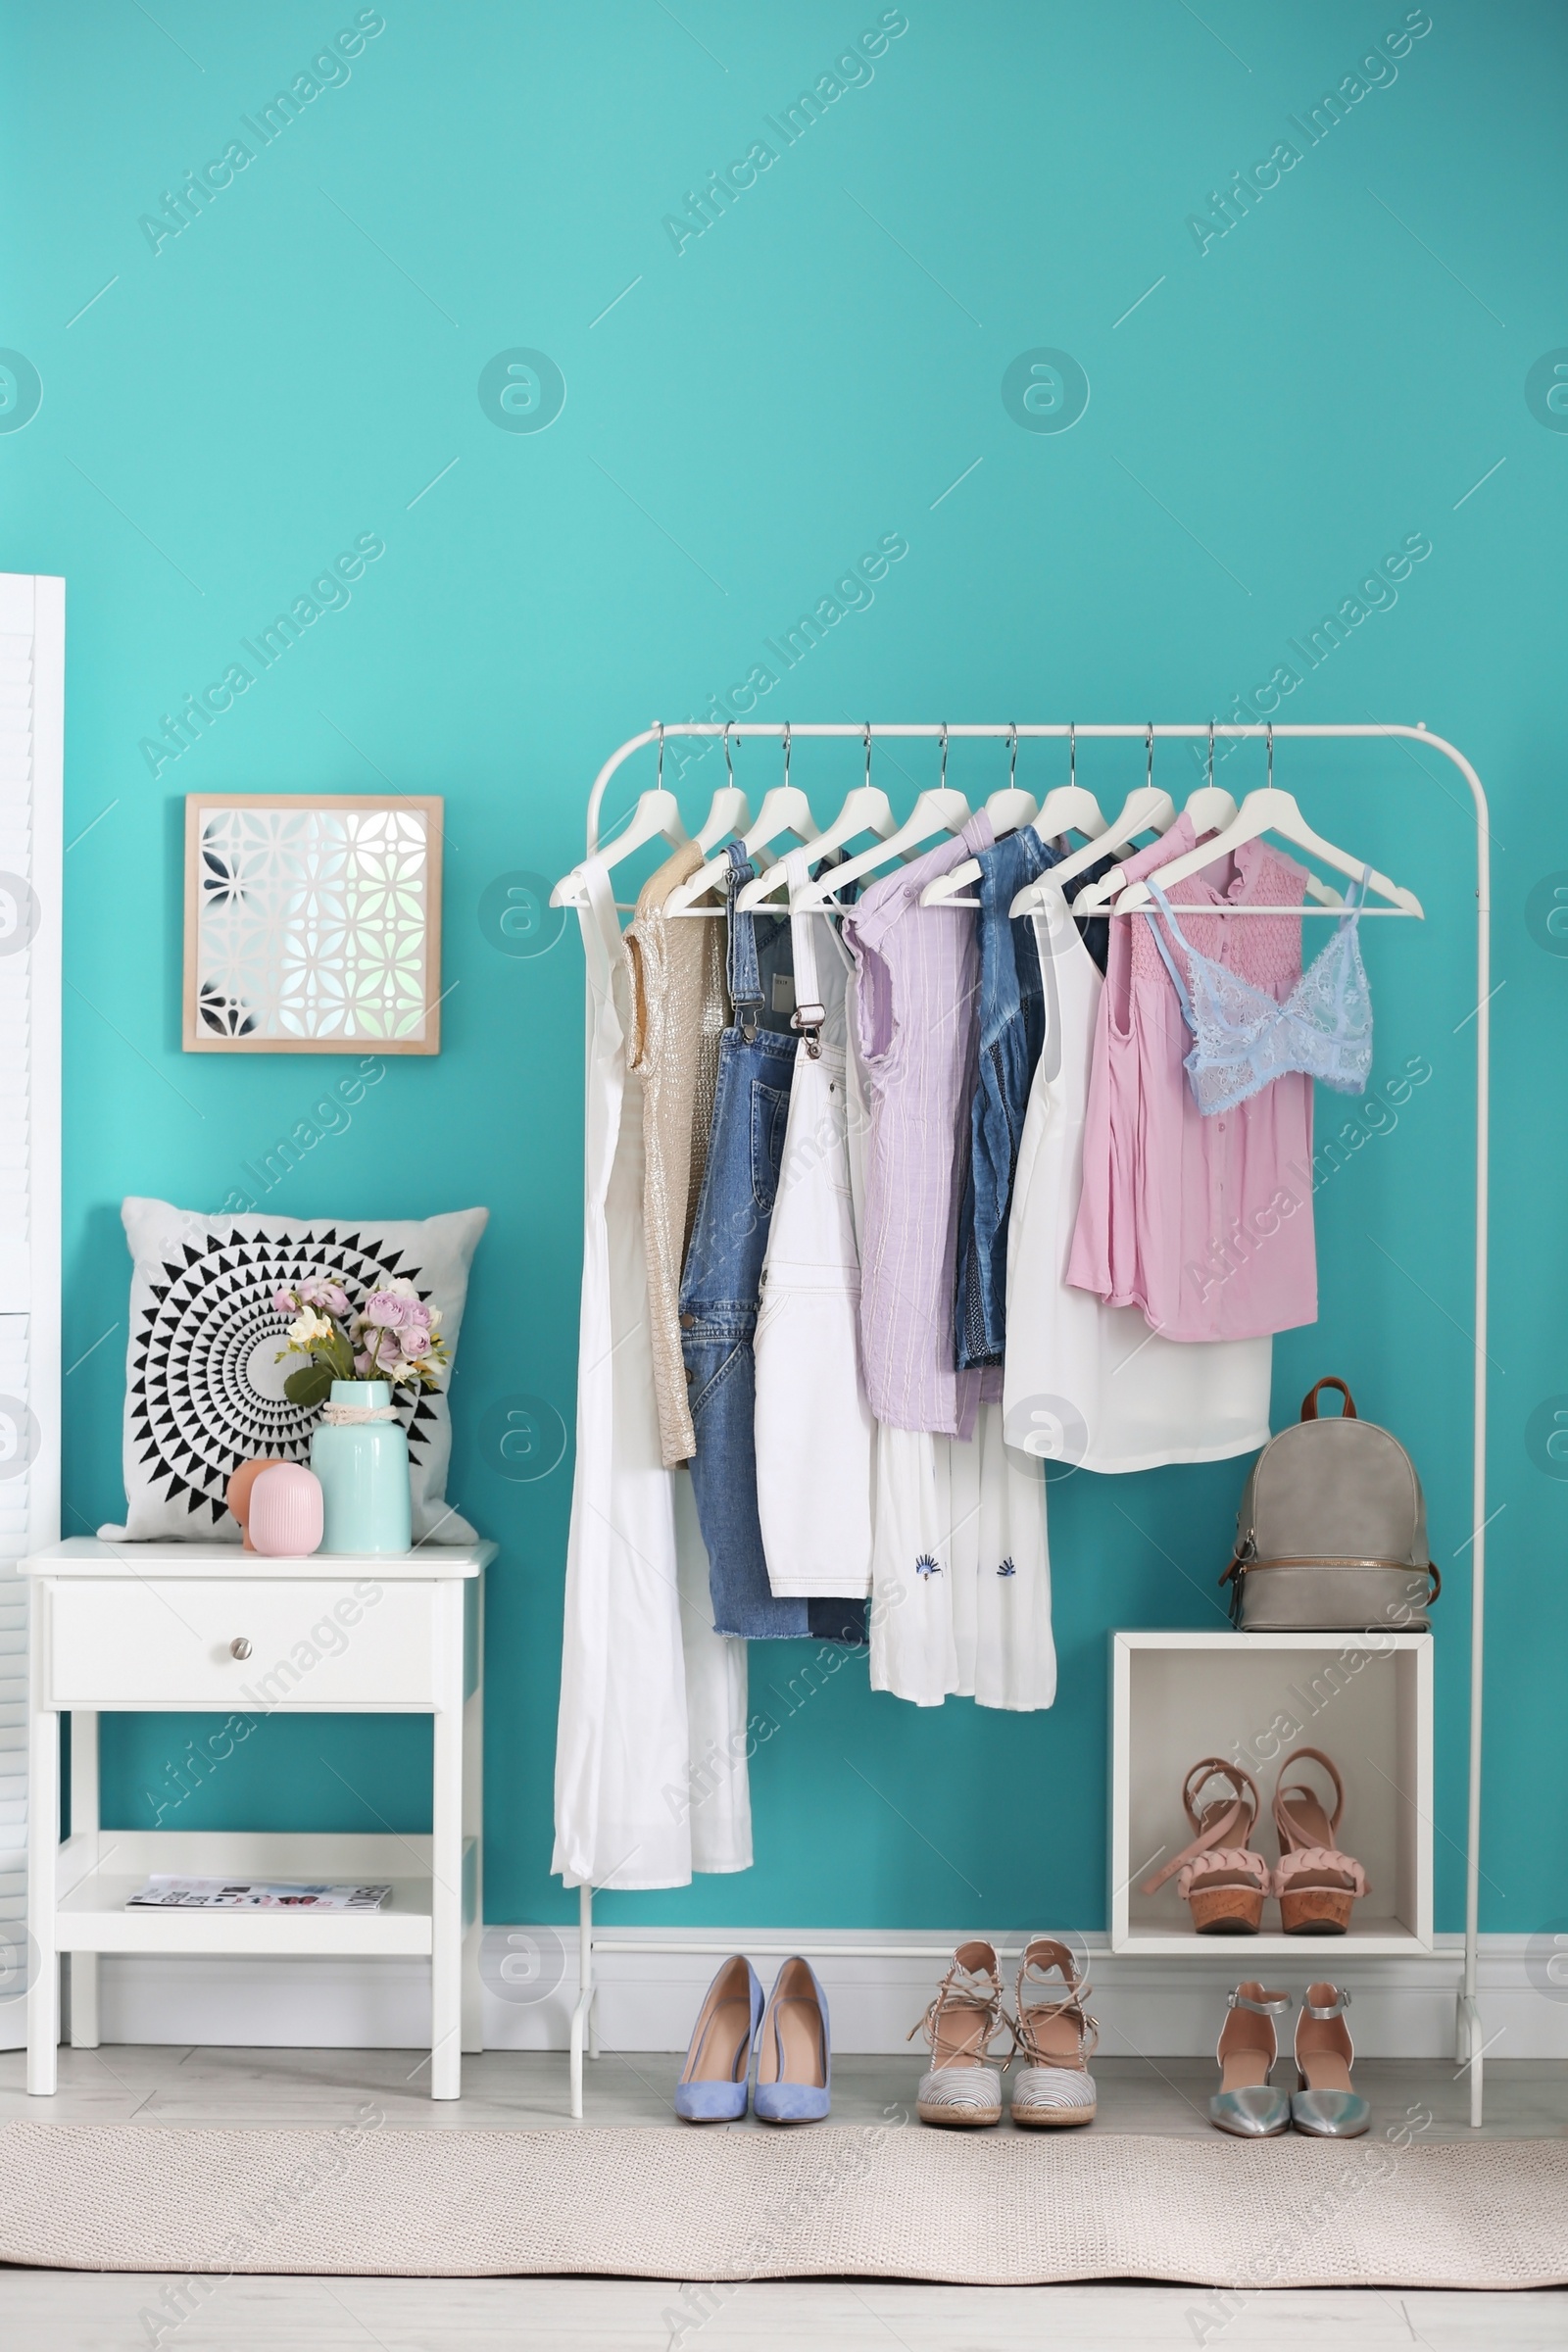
(1470, 2044)
(579, 2020)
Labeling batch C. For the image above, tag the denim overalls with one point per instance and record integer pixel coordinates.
(722, 1279)
(1013, 1024)
(1012, 1028)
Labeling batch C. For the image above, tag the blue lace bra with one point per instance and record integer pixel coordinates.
(1243, 1040)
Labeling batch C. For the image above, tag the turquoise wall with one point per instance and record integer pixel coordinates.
(1275, 407)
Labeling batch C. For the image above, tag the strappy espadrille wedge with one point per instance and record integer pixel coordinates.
(1055, 2037)
(1218, 1877)
(963, 2020)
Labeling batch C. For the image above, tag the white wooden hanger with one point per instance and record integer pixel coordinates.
(784, 810)
(1009, 809)
(1210, 806)
(1212, 810)
(867, 810)
(1268, 810)
(1149, 809)
(658, 812)
(942, 809)
(1067, 809)
(1070, 808)
(727, 811)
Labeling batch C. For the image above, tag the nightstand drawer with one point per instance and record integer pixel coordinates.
(240, 1642)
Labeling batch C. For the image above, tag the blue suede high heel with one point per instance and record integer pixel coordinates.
(714, 2081)
(794, 2056)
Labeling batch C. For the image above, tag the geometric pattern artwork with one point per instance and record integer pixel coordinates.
(312, 925)
(204, 1392)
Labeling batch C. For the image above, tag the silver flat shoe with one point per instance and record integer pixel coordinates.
(1257, 2111)
(1246, 2104)
(1329, 2113)
(1325, 2105)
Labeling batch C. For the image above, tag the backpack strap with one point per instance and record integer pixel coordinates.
(1309, 1401)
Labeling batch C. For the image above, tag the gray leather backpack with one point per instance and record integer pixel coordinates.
(1332, 1532)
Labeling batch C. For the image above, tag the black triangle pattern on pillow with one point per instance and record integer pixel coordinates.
(196, 1413)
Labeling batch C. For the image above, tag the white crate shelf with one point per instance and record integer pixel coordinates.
(1365, 1700)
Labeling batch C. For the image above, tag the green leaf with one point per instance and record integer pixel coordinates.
(310, 1385)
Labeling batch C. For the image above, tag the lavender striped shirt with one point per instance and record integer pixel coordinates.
(916, 1011)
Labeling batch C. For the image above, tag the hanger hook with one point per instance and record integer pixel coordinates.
(1072, 753)
(1013, 754)
(868, 753)
(659, 724)
(786, 750)
(944, 755)
(1269, 732)
(1212, 755)
(729, 764)
(1149, 745)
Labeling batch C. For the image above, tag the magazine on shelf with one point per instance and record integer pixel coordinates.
(165, 1893)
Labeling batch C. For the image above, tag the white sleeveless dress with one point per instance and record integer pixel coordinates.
(650, 1776)
(1086, 1383)
(814, 1428)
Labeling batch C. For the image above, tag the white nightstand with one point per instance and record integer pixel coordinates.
(208, 1627)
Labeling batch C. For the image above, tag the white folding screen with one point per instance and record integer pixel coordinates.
(32, 647)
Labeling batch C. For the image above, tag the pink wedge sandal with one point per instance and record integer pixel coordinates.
(1223, 1885)
(1317, 1886)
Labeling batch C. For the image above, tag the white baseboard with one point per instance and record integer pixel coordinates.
(1152, 2007)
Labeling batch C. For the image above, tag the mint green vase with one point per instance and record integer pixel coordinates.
(364, 1470)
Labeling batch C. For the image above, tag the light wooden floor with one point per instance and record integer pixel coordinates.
(44, 2311)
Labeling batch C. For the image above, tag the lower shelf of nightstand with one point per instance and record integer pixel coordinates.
(96, 1885)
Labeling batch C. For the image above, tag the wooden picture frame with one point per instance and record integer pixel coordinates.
(312, 938)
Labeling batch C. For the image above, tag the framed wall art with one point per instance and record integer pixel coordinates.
(313, 923)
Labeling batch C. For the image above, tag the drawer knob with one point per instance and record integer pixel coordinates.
(240, 1647)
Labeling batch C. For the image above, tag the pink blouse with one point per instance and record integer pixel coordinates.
(1206, 1224)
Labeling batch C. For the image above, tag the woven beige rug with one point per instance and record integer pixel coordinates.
(685, 2204)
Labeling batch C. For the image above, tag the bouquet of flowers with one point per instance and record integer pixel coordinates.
(392, 1337)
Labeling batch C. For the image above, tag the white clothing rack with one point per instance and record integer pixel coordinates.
(1470, 2044)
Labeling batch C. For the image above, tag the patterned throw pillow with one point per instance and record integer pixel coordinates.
(203, 1392)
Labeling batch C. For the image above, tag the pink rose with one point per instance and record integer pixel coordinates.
(386, 1309)
(328, 1295)
(284, 1302)
(414, 1310)
(414, 1340)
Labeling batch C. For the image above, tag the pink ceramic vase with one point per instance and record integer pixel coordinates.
(285, 1511)
(239, 1496)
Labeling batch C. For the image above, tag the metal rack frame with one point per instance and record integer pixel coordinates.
(1470, 2044)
